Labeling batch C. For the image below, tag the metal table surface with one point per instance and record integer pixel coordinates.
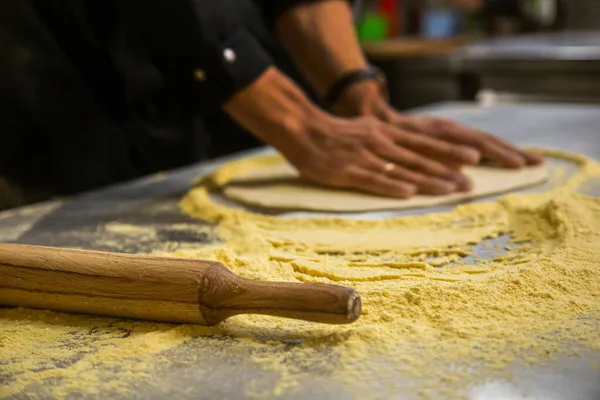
(85, 222)
(557, 67)
(579, 50)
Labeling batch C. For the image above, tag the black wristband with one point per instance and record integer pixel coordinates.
(352, 77)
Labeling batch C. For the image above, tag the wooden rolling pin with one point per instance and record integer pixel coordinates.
(158, 288)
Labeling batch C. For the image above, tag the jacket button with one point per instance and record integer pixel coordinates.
(229, 56)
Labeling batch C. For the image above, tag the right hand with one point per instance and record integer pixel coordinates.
(369, 155)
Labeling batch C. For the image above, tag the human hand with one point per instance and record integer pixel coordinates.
(490, 147)
(369, 155)
(366, 99)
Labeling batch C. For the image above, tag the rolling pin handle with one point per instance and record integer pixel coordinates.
(223, 294)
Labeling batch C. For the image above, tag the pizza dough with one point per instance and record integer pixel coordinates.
(270, 182)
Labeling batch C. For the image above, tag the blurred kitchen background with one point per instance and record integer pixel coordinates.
(511, 51)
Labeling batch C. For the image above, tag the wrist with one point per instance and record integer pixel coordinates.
(362, 99)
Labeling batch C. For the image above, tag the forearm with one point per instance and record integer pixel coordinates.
(321, 39)
(272, 108)
(320, 36)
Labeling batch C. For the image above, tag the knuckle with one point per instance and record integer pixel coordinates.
(370, 120)
(372, 135)
(371, 141)
(341, 176)
(380, 145)
(345, 170)
(372, 126)
(327, 175)
(365, 180)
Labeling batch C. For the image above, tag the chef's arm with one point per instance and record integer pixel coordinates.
(213, 60)
(321, 38)
(220, 63)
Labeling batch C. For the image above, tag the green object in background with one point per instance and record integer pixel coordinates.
(372, 27)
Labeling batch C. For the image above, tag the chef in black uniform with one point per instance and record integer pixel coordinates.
(97, 92)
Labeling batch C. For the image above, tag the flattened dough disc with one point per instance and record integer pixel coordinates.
(270, 182)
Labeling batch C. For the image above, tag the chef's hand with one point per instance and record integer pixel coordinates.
(366, 99)
(362, 153)
(367, 154)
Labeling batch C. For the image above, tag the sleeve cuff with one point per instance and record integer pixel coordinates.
(229, 66)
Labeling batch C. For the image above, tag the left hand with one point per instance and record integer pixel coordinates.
(365, 98)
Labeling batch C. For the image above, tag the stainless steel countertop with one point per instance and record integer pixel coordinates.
(565, 51)
(151, 201)
(556, 46)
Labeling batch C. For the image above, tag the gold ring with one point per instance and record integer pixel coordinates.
(389, 167)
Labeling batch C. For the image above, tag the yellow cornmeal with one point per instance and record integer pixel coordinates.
(430, 324)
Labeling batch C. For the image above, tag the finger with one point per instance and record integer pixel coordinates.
(406, 123)
(530, 158)
(453, 166)
(447, 152)
(425, 166)
(463, 182)
(488, 145)
(380, 184)
(425, 184)
(392, 152)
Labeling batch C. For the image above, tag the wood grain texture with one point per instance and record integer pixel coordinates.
(407, 47)
(158, 288)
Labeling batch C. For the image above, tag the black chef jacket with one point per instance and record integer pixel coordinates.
(94, 92)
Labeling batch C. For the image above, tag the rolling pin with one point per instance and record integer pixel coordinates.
(158, 288)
